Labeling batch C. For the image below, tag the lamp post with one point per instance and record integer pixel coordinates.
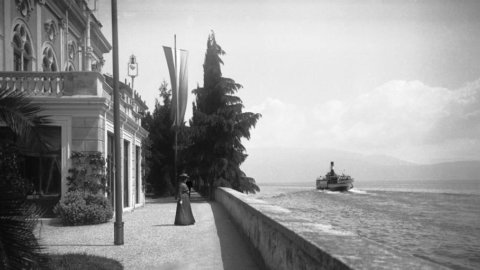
(118, 225)
(132, 68)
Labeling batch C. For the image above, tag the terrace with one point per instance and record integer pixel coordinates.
(72, 84)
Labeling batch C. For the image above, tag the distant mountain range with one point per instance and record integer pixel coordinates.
(269, 165)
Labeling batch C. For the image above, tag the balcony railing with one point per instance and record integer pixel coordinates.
(64, 84)
(34, 83)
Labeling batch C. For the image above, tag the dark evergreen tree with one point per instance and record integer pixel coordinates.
(159, 147)
(217, 127)
(147, 121)
(161, 138)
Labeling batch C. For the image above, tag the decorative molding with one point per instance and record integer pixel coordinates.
(102, 43)
(51, 30)
(62, 23)
(102, 61)
(69, 66)
(75, 12)
(25, 7)
(21, 34)
(71, 50)
(49, 60)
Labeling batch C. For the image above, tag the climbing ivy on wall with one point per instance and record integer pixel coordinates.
(87, 173)
(85, 201)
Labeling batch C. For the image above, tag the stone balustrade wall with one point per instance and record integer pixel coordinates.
(35, 83)
(53, 83)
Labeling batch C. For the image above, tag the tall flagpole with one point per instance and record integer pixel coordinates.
(176, 110)
(118, 225)
(66, 36)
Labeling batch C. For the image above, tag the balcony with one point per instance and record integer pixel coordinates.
(53, 84)
(78, 84)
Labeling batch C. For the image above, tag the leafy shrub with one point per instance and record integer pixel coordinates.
(99, 209)
(85, 201)
(78, 208)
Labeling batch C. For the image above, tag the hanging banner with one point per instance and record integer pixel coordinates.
(182, 87)
(173, 80)
(179, 82)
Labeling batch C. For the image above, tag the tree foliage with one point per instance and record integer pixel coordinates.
(19, 248)
(217, 127)
(161, 138)
(22, 117)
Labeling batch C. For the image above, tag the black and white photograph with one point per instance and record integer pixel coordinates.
(239, 135)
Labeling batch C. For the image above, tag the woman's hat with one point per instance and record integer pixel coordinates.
(184, 175)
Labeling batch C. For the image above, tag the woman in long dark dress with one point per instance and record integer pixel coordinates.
(184, 215)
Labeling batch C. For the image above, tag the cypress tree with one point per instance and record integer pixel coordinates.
(217, 127)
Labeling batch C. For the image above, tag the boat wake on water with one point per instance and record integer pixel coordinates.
(351, 191)
(357, 191)
(326, 191)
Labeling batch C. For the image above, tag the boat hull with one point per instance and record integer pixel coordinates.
(344, 186)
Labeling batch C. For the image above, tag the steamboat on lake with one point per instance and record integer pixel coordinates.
(334, 182)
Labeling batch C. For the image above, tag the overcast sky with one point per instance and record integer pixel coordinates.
(398, 78)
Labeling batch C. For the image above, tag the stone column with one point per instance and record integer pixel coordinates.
(37, 59)
(2, 36)
(63, 43)
(7, 30)
(88, 48)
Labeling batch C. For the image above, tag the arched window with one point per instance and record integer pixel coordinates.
(22, 48)
(69, 66)
(49, 62)
(71, 55)
(51, 30)
(72, 50)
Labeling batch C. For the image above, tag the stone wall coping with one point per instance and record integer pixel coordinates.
(323, 242)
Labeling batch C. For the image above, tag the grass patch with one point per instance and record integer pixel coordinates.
(73, 261)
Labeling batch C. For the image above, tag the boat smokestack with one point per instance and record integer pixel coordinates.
(331, 165)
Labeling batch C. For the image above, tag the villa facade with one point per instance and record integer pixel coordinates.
(53, 50)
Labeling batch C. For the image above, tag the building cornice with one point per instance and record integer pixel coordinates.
(75, 12)
(77, 16)
(73, 105)
(130, 124)
(104, 44)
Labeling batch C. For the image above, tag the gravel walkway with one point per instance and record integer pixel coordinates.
(153, 242)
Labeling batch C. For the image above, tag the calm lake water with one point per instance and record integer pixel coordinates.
(436, 221)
